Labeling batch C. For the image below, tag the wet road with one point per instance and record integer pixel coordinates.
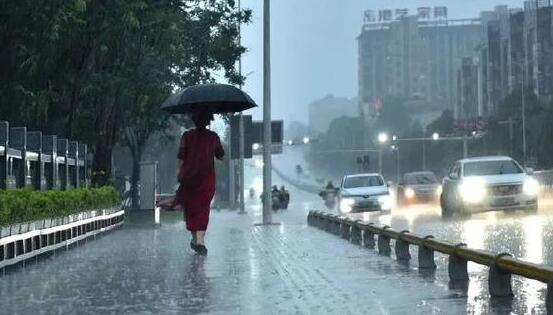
(526, 236)
(290, 269)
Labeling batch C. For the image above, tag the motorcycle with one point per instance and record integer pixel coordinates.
(276, 201)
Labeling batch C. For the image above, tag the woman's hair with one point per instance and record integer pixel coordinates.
(202, 120)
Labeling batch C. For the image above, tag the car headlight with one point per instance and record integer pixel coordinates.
(409, 193)
(385, 202)
(531, 187)
(472, 190)
(439, 190)
(346, 205)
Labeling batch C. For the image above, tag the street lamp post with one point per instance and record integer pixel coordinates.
(382, 138)
(522, 68)
(398, 171)
(267, 200)
(241, 129)
(523, 119)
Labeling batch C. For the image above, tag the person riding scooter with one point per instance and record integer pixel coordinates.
(284, 197)
(329, 195)
(275, 195)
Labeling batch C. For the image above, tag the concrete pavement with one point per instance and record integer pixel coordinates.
(286, 269)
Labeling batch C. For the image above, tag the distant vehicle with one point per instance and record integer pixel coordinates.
(488, 183)
(364, 192)
(418, 187)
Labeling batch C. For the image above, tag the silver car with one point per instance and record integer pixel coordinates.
(364, 192)
(488, 183)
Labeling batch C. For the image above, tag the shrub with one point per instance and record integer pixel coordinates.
(24, 205)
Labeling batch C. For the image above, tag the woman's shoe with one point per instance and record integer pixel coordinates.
(201, 250)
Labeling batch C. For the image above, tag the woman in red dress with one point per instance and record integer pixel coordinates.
(198, 149)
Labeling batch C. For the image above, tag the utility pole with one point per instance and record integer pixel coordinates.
(465, 147)
(423, 156)
(524, 157)
(267, 200)
(511, 137)
(241, 127)
(231, 174)
(380, 160)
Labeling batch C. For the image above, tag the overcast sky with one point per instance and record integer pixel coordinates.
(314, 47)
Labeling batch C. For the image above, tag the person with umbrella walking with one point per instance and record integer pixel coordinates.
(196, 175)
(199, 148)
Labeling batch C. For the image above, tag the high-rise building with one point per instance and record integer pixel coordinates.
(469, 97)
(519, 52)
(414, 57)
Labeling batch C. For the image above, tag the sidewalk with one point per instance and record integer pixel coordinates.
(286, 269)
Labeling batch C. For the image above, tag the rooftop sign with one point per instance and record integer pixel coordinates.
(387, 15)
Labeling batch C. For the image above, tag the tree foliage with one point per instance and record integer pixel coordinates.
(97, 70)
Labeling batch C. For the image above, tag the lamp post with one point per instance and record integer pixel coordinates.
(522, 68)
(241, 129)
(382, 138)
(398, 172)
(267, 167)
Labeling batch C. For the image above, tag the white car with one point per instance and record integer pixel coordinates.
(364, 192)
(488, 183)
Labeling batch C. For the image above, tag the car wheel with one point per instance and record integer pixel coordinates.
(446, 211)
(462, 211)
(460, 208)
(532, 209)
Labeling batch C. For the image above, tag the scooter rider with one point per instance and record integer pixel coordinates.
(276, 196)
(284, 197)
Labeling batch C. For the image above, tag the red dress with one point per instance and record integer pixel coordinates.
(197, 151)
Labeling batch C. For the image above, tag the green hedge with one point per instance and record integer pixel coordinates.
(23, 205)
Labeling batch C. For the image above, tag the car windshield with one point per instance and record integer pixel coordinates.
(420, 179)
(491, 168)
(363, 181)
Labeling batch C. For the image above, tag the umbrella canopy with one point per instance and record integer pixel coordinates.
(213, 98)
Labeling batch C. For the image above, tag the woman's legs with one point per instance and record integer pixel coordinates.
(200, 237)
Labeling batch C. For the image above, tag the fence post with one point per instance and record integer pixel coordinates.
(402, 248)
(384, 242)
(310, 218)
(368, 238)
(345, 229)
(426, 255)
(356, 233)
(336, 225)
(457, 266)
(499, 281)
(549, 298)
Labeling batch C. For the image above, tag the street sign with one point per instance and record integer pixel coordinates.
(277, 136)
(253, 137)
(235, 136)
(277, 131)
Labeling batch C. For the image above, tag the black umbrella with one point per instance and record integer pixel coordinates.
(213, 98)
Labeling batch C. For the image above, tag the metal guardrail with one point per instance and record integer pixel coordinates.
(502, 265)
(20, 247)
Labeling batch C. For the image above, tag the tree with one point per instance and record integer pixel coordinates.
(97, 71)
(443, 125)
